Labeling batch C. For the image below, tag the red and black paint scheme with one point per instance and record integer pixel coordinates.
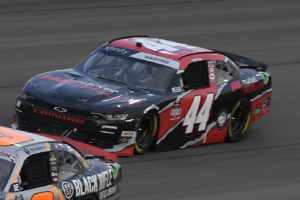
(137, 93)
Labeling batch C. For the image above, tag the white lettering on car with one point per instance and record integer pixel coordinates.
(87, 185)
(156, 59)
(201, 118)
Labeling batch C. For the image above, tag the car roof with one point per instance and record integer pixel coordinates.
(140, 43)
(12, 140)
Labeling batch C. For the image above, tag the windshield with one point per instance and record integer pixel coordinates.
(6, 169)
(135, 73)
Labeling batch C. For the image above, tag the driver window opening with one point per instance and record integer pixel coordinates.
(196, 76)
(35, 171)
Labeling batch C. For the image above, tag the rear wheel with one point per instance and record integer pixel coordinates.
(239, 121)
(146, 133)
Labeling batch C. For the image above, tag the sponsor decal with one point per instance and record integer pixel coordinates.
(176, 89)
(53, 157)
(211, 69)
(100, 90)
(221, 120)
(19, 197)
(37, 148)
(108, 192)
(250, 80)
(68, 189)
(265, 77)
(128, 134)
(156, 59)
(60, 109)
(176, 110)
(88, 185)
(58, 116)
(115, 167)
(267, 101)
(13, 158)
(116, 50)
(26, 151)
(196, 59)
(4, 154)
(53, 167)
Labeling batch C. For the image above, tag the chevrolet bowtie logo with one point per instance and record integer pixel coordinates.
(60, 109)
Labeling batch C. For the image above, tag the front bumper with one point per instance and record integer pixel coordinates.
(37, 116)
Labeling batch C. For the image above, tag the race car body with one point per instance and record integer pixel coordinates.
(137, 93)
(36, 167)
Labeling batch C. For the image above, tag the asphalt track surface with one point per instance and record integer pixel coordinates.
(38, 36)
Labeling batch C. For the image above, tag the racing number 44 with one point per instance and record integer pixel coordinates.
(194, 117)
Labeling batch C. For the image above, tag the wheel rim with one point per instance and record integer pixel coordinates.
(143, 134)
(239, 121)
(146, 133)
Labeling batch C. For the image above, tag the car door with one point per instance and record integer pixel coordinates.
(43, 174)
(198, 80)
(34, 179)
(189, 116)
(216, 87)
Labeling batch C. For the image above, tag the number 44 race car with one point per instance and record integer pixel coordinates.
(39, 168)
(137, 93)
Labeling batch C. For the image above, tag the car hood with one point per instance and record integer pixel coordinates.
(72, 89)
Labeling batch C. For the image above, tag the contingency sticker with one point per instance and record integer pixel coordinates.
(7, 156)
(156, 59)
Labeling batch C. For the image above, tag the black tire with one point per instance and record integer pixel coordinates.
(146, 133)
(239, 121)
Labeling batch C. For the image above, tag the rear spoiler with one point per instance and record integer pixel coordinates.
(246, 63)
(85, 149)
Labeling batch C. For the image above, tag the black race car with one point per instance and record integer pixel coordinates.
(134, 93)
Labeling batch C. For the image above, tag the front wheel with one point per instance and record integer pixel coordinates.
(146, 133)
(239, 121)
